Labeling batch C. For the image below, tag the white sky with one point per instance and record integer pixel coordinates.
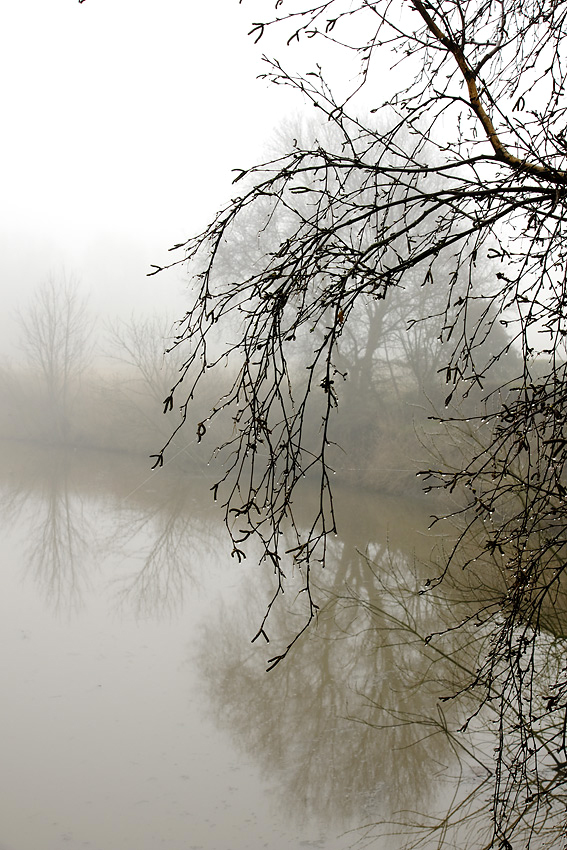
(121, 121)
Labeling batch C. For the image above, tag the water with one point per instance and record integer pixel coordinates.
(137, 714)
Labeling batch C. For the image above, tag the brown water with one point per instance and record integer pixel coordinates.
(137, 714)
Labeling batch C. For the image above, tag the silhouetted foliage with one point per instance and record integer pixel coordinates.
(460, 185)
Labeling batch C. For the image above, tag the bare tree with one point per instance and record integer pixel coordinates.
(140, 344)
(56, 340)
(466, 167)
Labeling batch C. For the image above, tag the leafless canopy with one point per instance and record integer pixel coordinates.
(56, 340)
(464, 170)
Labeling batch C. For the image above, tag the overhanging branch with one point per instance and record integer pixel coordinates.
(501, 151)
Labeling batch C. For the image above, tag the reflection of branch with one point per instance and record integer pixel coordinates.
(58, 549)
(296, 718)
(454, 644)
(174, 531)
(163, 528)
(60, 536)
(418, 760)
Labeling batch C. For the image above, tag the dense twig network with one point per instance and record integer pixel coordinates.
(459, 184)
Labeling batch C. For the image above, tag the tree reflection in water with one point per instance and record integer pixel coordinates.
(298, 718)
(362, 725)
(178, 531)
(61, 541)
(371, 718)
(439, 643)
(157, 524)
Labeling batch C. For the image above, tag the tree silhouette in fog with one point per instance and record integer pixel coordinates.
(464, 171)
(56, 339)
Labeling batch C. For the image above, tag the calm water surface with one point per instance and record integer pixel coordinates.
(137, 714)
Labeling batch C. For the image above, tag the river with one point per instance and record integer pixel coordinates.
(136, 712)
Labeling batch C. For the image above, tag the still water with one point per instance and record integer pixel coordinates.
(137, 715)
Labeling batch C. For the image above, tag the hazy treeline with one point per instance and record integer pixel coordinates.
(108, 393)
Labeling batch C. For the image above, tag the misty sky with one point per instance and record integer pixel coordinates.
(121, 122)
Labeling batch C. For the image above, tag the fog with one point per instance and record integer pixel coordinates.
(122, 124)
(126, 127)
(139, 712)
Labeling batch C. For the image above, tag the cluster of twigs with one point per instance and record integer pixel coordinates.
(465, 171)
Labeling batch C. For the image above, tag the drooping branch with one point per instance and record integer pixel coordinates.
(396, 206)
